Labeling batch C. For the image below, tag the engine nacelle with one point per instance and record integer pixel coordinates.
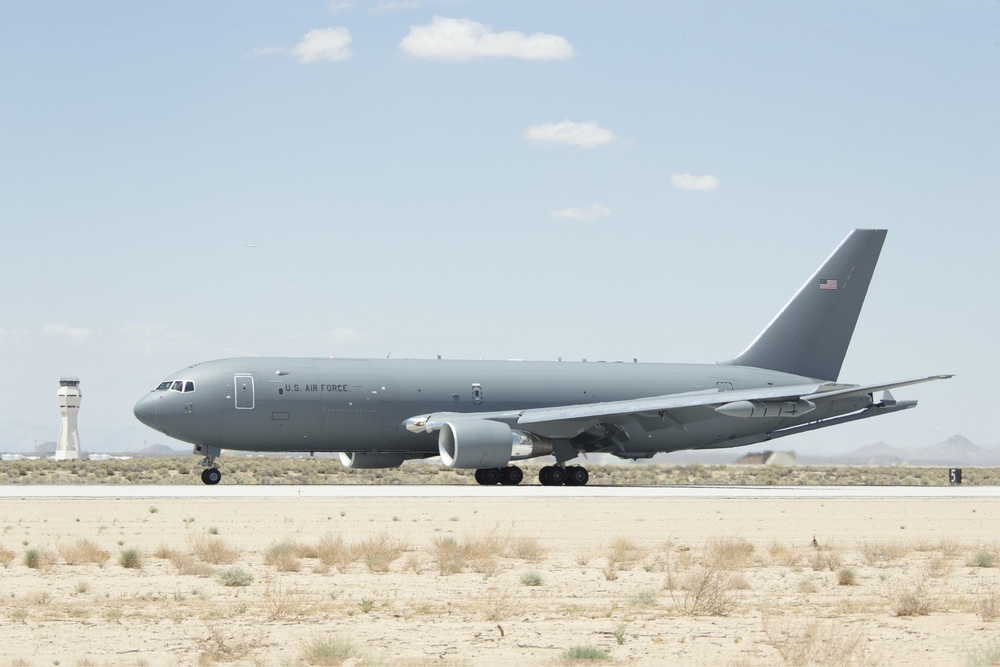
(481, 443)
(362, 460)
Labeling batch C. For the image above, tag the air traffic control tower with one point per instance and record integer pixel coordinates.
(69, 397)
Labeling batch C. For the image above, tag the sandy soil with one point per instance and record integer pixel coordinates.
(780, 593)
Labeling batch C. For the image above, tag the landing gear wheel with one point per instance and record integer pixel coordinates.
(551, 476)
(489, 476)
(211, 476)
(577, 476)
(543, 475)
(511, 475)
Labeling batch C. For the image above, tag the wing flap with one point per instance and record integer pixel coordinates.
(657, 404)
(857, 390)
(669, 409)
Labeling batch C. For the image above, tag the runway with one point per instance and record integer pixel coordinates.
(468, 491)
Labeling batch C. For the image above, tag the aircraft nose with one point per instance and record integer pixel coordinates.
(145, 410)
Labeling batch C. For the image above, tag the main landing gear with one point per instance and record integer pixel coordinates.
(507, 476)
(570, 476)
(548, 476)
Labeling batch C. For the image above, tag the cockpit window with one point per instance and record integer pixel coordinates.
(184, 386)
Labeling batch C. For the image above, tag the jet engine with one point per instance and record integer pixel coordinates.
(371, 460)
(481, 443)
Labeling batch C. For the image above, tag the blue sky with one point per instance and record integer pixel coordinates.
(490, 180)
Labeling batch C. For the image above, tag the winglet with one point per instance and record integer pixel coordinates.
(810, 336)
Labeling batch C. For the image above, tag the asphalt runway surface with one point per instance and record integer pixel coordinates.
(468, 491)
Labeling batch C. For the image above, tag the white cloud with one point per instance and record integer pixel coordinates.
(75, 334)
(462, 39)
(582, 135)
(341, 6)
(329, 44)
(704, 183)
(583, 213)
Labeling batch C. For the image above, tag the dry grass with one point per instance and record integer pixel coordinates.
(707, 591)
(6, 556)
(221, 642)
(728, 577)
(524, 548)
(880, 552)
(185, 563)
(816, 642)
(783, 554)
(826, 557)
(447, 554)
(379, 551)
(912, 602)
(333, 551)
(284, 556)
(625, 553)
(298, 470)
(39, 558)
(987, 604)
(213, 549)
(281, 602)
(729, 553)
(500, 604)
(83, 551)
(482, 553)
(331, 651)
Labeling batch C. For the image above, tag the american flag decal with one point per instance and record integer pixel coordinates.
(828, 283)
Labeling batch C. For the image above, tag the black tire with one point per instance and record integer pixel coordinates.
(543, 475)
(577, 476)
(479, 477)
(211, 476)
(511, 475)
(491, 476)
(557, 476)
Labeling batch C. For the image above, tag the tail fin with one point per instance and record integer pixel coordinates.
(810, 335)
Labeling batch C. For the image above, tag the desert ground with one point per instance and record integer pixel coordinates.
(499, 581)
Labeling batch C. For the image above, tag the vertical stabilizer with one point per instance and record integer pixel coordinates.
(810, 335)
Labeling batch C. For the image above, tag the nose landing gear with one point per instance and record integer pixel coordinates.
(210, 475)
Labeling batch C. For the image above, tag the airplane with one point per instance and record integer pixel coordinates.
(487, 415)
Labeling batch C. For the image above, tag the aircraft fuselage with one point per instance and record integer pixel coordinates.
(359, 405)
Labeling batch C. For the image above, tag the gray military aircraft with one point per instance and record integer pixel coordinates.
(483, 415)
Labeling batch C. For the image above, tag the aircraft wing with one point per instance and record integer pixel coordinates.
(670, 408)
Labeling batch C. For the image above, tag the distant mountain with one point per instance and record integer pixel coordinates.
(45, 448)
(161, 450)
(955, 451)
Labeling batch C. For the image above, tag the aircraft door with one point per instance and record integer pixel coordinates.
(244, 391)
